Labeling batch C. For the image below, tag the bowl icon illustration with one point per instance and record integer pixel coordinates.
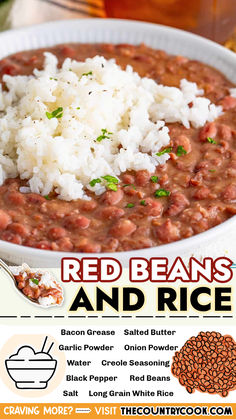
(31, 370)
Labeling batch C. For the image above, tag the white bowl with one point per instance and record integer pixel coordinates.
(173, 41)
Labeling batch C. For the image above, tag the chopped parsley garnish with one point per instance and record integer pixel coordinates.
(35, 281)
(161, 192)
(58, 113)
(78, 107)
(180, 150)
(129, 184)
(47, 197)
(90, 73)
(94, 181)
(111, 182)
(154, 179)
(105, 134)
(53, 78)
(110, 179)
(166, 150)
(212, 170)
(112, 186)
(211, 141)
(143, 202)
(130, 205)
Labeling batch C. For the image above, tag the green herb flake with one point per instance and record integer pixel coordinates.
(154, 179)
(78, 107)
(35, 281)
(180, 150)
(161, 192)
(93, 182)
(53, 78)
(211, 141)
(143, 202)
(112, 186)
(58, 113)
(129, 184)
(90, 73)
(166, 150)
(105, 134)
(212, 170)
(110, 179)
(130, 205)
(47, 197)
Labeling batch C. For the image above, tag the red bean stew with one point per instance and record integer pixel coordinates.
(199, 184)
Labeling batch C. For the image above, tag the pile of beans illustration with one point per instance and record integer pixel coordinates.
(207, 363)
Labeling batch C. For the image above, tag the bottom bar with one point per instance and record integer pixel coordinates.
(119, 410)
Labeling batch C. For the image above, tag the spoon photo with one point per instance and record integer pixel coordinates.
(5, 267)
(36, 286)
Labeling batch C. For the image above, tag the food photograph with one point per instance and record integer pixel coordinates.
(118, 164)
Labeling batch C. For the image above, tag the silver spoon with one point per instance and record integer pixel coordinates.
(5, 267)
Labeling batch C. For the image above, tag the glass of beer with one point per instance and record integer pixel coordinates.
(214, 19)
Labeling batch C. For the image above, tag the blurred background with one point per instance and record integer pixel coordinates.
(214, 19)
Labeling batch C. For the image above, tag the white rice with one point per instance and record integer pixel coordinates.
(46, 301)
(232, 92)
(17, 270)
(63, 154)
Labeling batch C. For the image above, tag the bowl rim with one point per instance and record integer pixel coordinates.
(177, 247)
(116, 21)
(111, 23)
